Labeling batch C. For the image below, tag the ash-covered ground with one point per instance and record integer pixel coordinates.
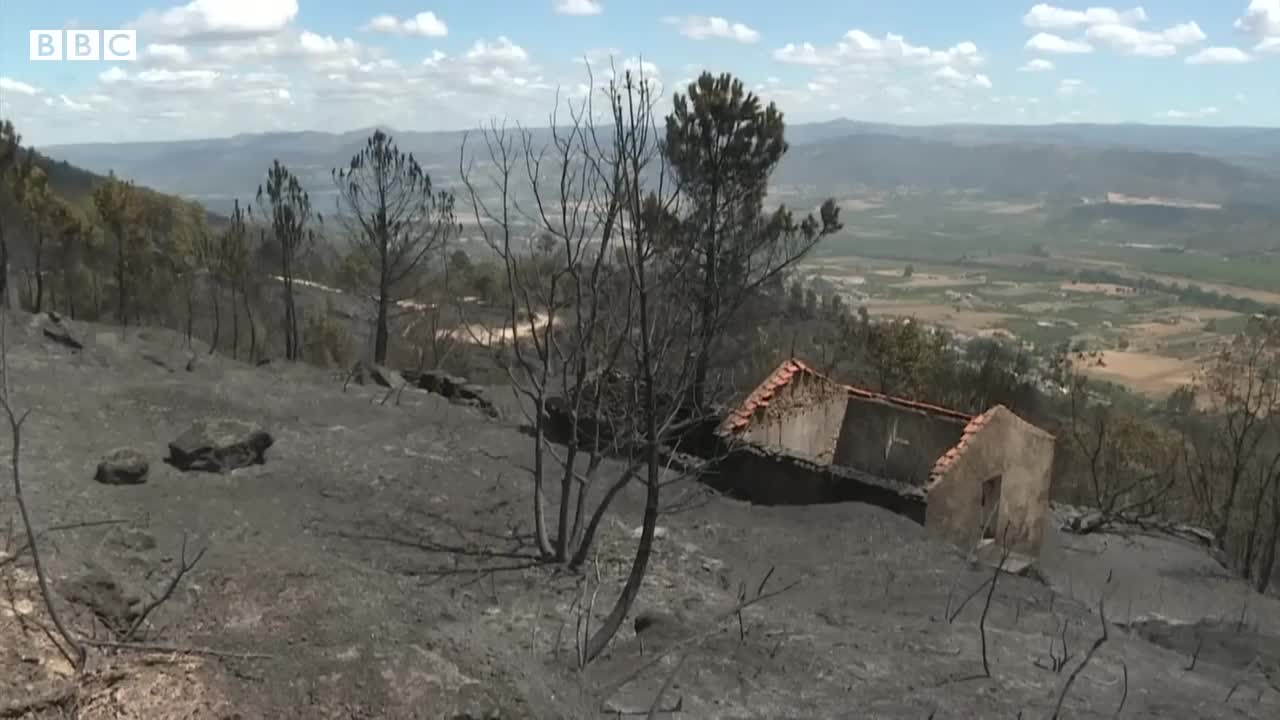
(381, 560)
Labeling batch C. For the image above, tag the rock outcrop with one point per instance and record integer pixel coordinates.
(453, 387)
(220, 446)
(51, 326)
(367, 373)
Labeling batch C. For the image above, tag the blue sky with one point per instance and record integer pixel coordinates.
(220, 67)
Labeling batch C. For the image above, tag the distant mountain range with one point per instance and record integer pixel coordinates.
(1209, 164)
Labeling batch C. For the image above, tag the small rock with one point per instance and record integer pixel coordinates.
(97, 590)
(220, 446)
(157, 361)
(657, 628)
(50, 323)
(123, 466)
(1088, 522)
(365, 373)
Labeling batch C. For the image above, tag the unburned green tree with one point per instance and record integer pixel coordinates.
(722, 144)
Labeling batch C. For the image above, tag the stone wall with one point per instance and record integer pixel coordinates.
(1004, 446)
(803, 419)
(776, 478)
(894, 442)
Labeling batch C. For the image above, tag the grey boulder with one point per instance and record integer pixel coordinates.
(123, 466)
(220, 446)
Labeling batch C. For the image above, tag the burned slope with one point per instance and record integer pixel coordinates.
(380, 557)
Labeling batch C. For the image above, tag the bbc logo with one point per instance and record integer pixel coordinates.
(109, 45)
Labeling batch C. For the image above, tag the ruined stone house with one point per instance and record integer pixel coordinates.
(975, 481)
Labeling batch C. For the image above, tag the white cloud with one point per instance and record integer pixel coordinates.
(699, 27)
(578, 7)
(802, 54)
(1116, 30)
(598, 56)
(1048, 17)
(70, 104)
(1261, 20)
(321, 51)
(859, 47)
(962, 80)
(1057, 45)
(313, 44)
(112, 75)
(1220, 56)
(177, 79)
(1269, 45)
(1037, 65)
(1189, 114)
(639, 66)
(202, 19)
(1068, 87)
(11, 85)
(502, 51)
(166, 53)
(1132, 41)
(424, 24)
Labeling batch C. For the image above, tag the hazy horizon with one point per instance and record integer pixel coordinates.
(218, 68)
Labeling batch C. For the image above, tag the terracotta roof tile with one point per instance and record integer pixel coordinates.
(741, 416)
(950, 457)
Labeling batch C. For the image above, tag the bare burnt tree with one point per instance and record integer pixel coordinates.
(598, 321)
(1129, 466)
(287, 208)
(566, 324)
(38, 205)
(663, 330)
(533, 306)
(117, 204)
(1232, 439)
(70, 232)
(15, 420)
(395, 221)
(235, 266)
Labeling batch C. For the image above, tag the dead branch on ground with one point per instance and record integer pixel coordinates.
(695, 640)
(1195, 655)
(1124, 667)
(184, 567)
(986, 608)
(1057, 662)
(1088, 656)
(13, 557)
(16, 421)
(177, 650)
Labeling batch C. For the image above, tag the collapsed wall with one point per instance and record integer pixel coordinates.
(802, 438)
(895, 441)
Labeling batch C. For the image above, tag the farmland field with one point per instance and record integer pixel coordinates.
(981, 268)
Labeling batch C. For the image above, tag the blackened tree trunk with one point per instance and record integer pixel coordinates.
(217, 314)
(38, 301)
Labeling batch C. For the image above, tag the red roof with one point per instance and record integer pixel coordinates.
(950, 457)
(741, 416)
